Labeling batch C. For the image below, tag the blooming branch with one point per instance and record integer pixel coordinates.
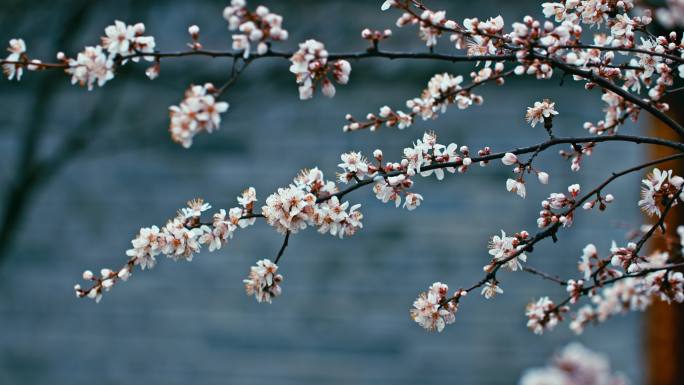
(633, 69)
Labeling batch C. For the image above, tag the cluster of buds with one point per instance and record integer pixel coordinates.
(577, 153)
(601, 202)
(194, 32)
(310, 66)
(386, 116)
(375, 36)
(485, 151)
(198, 112)
(575, 289)
(517, 185)
(558, 201)
(104, 282)
(259, 27)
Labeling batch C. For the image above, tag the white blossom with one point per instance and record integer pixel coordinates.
(541, 110)
(17, 48)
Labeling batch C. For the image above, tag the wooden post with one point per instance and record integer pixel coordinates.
(664, 324)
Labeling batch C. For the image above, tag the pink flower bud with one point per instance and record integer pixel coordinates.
(543, 177)
(509, 159)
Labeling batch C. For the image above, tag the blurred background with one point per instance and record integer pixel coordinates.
(82, 171)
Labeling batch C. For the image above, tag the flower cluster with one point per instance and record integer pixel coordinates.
(657, 189)
(574, 365)
(636, 280)
(299, 205)
(559, 201)
(434, 309)
(543, 314)
(259, 27)
(263, 281)
(91, 67)
(310, 66)
(95, 64)
(198, 112)
(180, 239)
(442, 90)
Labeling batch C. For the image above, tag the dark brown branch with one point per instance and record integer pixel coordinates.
(620, 49)
(608, 85)
(282, 248)
(371, 53)
(544, 275)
